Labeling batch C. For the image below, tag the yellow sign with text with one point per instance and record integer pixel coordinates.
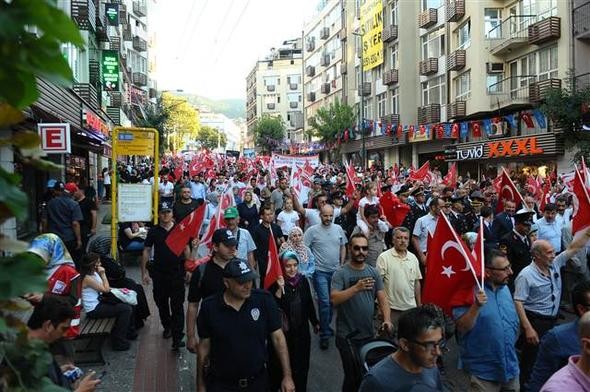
(371, 30)
(135, 142)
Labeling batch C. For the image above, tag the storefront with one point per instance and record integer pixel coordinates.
(381, 150)
(535, 154)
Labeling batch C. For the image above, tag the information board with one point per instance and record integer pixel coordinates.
(135, 202)
(135, 142)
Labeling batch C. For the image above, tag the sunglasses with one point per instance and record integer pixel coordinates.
(363, 248)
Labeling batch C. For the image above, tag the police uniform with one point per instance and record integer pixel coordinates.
(517, 247)
(471, 216)
(457, 219)
(238, 338)
(416, 212)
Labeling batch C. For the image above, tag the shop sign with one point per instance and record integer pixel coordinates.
(93, 122)
(112, 12)
(55, 138)
(110, 70)
(514, 147)
(475, 152)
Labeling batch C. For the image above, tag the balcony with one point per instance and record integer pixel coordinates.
(582, 21)
(545, 30)
(139, 44)
(390, 77)
(343, 68)
(139, 79)
(83, 12)
(115, 43)
(127, 35)
(293, 104)
(123, 14)
(342, 34)
(511, 34)
(364, 89)
(510, 91)
(389, 33)
(455, 10)
(116, 99)
(101, 24)
(429, 114)
(390, 119)
(293, 86)
(310, 70)
(139, 8)
(310, 45)
(270, 106)
(325, 60)
(325, 89)
(427, 18)
(456, 60)
(88, 93)
(270, 87)
(428, 66)
(457, 109)
(94, 72)
(538, 91)
(311, 96)
(115, 114)
(324, 33)
(582, 81)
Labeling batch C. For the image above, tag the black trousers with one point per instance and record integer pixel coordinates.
(258, 383)
(75, 253)
(123, 325)
(169, 296)
(528, 351)
(349, 353)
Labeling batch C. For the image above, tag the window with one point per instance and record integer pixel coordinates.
(293, 79)
(433, 44)
(357, 73)
(395, 101)
(541, 8)
(548, 63)
(492, 21)
(394, 57)
(368, 108)
(394, 12)
(381, 104)
(463, 35)
(378, 71)
(271, 80)
(463, 86)
(434, 91)
(71, 54)
(493, 84)
(426, 4)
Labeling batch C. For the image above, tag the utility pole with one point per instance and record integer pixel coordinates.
(362, 104)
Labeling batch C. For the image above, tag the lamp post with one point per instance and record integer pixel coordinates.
(362, 104)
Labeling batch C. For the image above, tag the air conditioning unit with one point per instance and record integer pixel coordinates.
(495, 67)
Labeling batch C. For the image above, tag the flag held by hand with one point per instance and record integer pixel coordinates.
(187, 228)
(273, 267)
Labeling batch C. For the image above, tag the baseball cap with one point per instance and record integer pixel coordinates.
(240, 270)
(231, 213)
(224, 236)
(164, 206)
(71, 187)
(51, 183)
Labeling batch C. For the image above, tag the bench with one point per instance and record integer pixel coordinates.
(88, 345)
(126, 256)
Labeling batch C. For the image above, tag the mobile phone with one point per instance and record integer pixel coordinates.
(101, 375)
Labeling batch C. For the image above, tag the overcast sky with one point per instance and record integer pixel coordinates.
(207, 47)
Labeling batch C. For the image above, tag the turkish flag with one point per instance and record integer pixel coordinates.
(411, 132)
(422, 174)
(507, 192)
(187, 228)
(476, 129)
(400, 131)
(350, 179)
(451, 270)
(546, 193)
(455, 131)
(394, 210)
(533, 187)
(526, 117)
(451, 178)
(217, 222)
(195, 166)
(273, 267)
(581, 201)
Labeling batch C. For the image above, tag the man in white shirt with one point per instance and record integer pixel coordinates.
(424, 226)
(166, 189)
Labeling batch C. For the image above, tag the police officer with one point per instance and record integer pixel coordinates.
(516, 244)
(168, 275)
(473, 213)
(418, 209)
(234, 328)
(456, 217)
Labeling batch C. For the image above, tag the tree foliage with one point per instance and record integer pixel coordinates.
(209, 138)
(182, 124)
(269, 132)
(565, 107)
(329, 121)
(156, 117)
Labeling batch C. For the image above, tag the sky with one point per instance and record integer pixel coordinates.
(208, 47)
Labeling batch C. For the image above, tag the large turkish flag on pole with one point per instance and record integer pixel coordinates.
(507, 192)
(581, 201)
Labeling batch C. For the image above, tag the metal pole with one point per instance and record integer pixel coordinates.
(362, 89)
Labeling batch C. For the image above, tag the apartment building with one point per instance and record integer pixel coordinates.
(581, 41)
(323, 38)
(274, 87)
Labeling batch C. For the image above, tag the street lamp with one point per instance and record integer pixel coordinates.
(362, 103)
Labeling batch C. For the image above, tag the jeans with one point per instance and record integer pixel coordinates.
(322, 284)
(134, 246)
(123, 325)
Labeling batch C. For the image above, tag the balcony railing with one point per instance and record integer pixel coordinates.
(390, 77)
(139, 44)
(364, 89)
(139, 8)
(324, 32)
(293, 104)
(429, 113)
(88, 93)
(84, 14)
(270, 106)
(325, 60)
(539, 90)
(582, 81)
(456, 60)
(116, 99)
(310, 70)
(127, 35)
(511, 34)
(310, 46)
(115, 43)
(582, 21)
(428, 66)
(545, 30)
(94, 72)
(311, 96)
(456, 109)
(390, 119)
(518, 90)
(325, 88)
(455, 10)
(428, 18)
(389, 33)
(139, 79)
(270, 87)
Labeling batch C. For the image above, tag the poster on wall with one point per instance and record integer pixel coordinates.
(371, 30)
(134, 202)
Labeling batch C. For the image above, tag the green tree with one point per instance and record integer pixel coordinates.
(182, 124)
(564, 107)
(209, 138)
(331, 120)
(269, 132)
(26, 57)
(156, 117)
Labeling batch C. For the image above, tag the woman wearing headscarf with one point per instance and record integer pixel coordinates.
(293, 296)
(248, 211)
(101, 245)
(295, 244)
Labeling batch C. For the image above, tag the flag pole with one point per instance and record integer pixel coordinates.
(481, 248)
(512, 182)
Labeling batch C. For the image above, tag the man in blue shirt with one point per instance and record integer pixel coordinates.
(560, 342)
(550, 227)
(488, 330)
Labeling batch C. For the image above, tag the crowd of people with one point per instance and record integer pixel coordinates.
(357, 252)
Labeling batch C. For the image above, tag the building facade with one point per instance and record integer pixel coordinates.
(274, 87)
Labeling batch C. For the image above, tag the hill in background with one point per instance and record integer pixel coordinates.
(232, 108)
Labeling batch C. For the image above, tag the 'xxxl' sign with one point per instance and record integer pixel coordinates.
(514, 147)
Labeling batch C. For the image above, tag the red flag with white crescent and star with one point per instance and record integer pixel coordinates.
(581, 202)
(452, 272)
(185, 230)
(507, 192)
(273, 267)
